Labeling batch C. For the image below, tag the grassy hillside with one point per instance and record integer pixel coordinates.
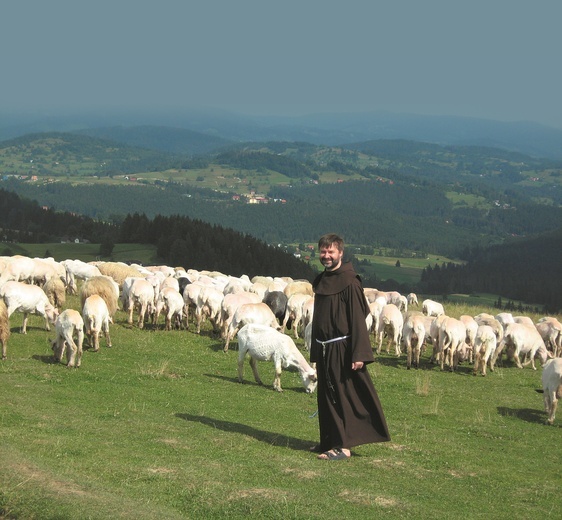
(159, 427)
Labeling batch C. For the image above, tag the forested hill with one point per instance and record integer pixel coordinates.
(180, 240)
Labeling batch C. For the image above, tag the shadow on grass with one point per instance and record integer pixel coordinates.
(525, 414)
(273, 439)
(252, 382)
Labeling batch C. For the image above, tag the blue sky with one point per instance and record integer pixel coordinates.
(493, 59)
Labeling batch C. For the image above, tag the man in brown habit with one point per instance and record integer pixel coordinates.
(349, 410)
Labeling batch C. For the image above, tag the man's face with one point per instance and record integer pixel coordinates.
(330, 257)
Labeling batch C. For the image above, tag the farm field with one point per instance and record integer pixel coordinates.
(159, 427)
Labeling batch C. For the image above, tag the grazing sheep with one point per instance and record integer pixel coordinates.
(413, 335)
(452, 336)
(28, 299)
(485, 343)
(56, 292)
(231, 302)
(552, 386)
(96, 319)
(412, 299)
(141, 298)
(78, 269)
(263, 343)
(277, 302)
(298, 286)
(432, 308)
(550, 330)
(209, 306)
(258, 313)
(391, 323)
(523, 340)
(294, 312)
(118, 271)
(171, 301)
(4, 329)
(103, 286)
(69, 324)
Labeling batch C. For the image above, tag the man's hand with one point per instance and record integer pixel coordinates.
(358, 365)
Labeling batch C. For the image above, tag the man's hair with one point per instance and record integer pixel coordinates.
(331, 238)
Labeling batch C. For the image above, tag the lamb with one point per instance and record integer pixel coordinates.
(4, 329)
(263, 343)
(390, 322)
(485, 343)
(18, 269)
(432, 308)
(258, 313)
(69, 324)
(29, 299)
(96, 319)
(552, 386)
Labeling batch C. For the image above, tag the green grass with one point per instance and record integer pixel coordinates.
(159, 427)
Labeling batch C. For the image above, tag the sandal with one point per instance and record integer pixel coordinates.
(335, 454)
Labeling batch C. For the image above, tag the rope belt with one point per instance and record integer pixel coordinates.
(328, 341)
(329, 384)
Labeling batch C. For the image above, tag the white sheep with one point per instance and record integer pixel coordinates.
(452, 336)
(28, 299)
(171, 302)
(263, 343)
(550, 330)
(412, 299)
(523, 340)
(258, 313)
(96, 319)
(485, 344)
(294, 312)
(230, 303)
(77, 269)
(69, 325)
(209, 306)
(432, 308)
(552, 386)
(413, 336)
(391, 323)
(141, 298)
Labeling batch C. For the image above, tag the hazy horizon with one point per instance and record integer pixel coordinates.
(495, 60)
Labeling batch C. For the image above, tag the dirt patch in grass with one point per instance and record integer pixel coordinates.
(366, 499)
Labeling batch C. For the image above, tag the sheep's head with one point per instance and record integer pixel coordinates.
(309, 380)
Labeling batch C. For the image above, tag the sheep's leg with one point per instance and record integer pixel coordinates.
(4, 350)
(71, 353)
(277, 380)
(105, 329)
(24, 324)
(408, 355)
(553, 406)
(254, 365)
(79, 344)
(241, 366)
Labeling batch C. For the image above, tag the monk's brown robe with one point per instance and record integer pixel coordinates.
(349, 410)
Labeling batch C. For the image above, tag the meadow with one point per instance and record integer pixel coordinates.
(159, 427)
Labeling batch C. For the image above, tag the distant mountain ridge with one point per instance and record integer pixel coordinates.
(327, 129)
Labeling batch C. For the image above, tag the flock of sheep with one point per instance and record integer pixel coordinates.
(258, 312)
